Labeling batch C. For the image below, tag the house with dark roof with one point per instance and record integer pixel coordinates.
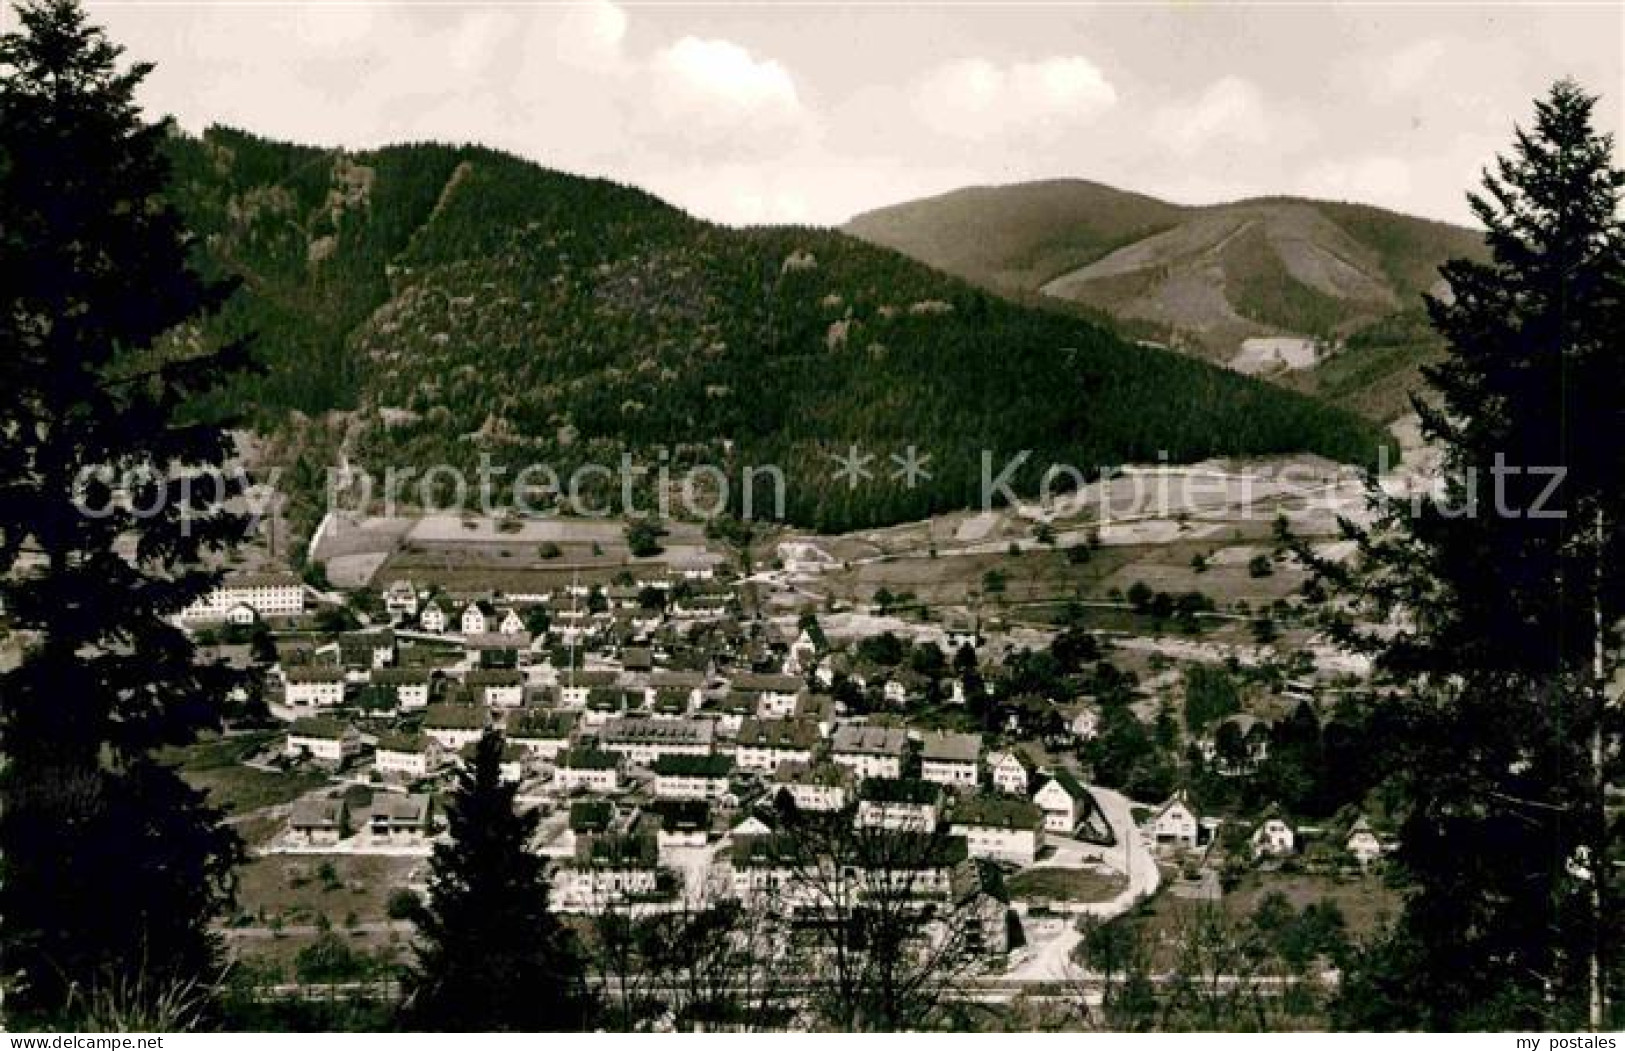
(1000, 828)
(952, 759)
(763, 744)
(870, 751)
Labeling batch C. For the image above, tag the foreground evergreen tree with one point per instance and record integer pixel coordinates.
(491, 956)
(113, 867)
(1505, 591)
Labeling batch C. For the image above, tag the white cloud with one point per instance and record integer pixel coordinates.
(1229, 111)
(716, 96)
(976, 98)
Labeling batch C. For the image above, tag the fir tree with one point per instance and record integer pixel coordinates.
(110, 500)
(1506, 590)
(490, 955)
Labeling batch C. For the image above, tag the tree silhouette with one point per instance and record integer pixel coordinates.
(111, 499)
(490, 955)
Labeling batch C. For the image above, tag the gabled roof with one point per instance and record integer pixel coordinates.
(1069, 784)
(997, 812)
(777, 733)
(320, 727)
(871, 740)
(455, 717)
(950, 747)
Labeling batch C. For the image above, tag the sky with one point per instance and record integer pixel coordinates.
(811, 113)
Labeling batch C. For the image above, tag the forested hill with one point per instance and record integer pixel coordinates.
(457, 302)
(1204, 279)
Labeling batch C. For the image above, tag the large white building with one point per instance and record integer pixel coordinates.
(267, 594)
(644, 741)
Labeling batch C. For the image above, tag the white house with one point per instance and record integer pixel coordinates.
(823, 788)
(870, 751)
(898, 805)
(775, 695)
(456, 725)
(588, 770)
(476, 618)
(1000, 828)
(576, 686)
(689, 683)
(401, 599)
(433, 618)
(326, 741)
(1011, 773)
(410, 685)
(497, 687)
(1362, 842)
(1174, 823)
(692, 776)
(1274, 838)
(1064, 801)
(313, 686)
(607, 870)
(951, 759)
(407, 757)
(512, 623)
(763, 744)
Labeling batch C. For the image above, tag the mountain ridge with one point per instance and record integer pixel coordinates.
(445, 303)
(1346, 278)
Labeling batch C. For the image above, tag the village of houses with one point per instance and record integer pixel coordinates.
(659, 732)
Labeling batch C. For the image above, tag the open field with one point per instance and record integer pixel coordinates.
(299, 889)
(1066, 884)
(215, 766)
